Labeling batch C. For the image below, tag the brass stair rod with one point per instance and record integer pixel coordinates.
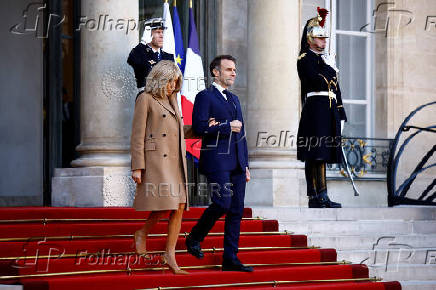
(26, 239)
(47, 220)
(129, 270)
(271, 283)
(213, 250)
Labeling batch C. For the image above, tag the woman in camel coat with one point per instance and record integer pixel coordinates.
(158, 157)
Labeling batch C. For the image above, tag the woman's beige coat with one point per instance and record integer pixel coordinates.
(158, 146)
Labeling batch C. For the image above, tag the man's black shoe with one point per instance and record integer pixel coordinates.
(229, 265)
(194, 248)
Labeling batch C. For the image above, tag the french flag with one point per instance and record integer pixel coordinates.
(192, 84)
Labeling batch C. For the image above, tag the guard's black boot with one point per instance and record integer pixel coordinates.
(310, 172)
(324, 201)
(314, 202)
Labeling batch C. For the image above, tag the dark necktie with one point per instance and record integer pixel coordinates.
(229, 98)
(158, 56)
(231, 102)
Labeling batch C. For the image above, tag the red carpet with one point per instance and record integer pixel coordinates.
(92, 248)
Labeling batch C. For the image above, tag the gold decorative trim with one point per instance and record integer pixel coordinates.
(213, 250)
(129, 270)
(72, 237)
(302, 55)
(46, 220)
(271, 283)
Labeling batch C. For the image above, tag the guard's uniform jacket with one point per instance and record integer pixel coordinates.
(319, 132)
(142, 58)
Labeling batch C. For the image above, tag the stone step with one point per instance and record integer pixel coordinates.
(368, 242)
(285, 214)
(390, 256)
(397, 244)
(386, 227)
(421, 285)
(404, 272)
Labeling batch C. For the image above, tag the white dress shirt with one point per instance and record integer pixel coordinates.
(159, 50)
(220, 89)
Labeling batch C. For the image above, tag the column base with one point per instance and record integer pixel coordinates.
(277, 179)
(93, 187)
(102, 155)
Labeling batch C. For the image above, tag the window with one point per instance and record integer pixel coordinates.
(354, 56)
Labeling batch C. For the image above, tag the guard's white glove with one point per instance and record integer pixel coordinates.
(342, 125)
(147, 37)
(330, 60)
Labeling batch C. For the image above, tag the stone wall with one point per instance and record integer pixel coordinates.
(410, 74)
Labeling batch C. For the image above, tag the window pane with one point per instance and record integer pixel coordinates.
(356, 124)
(309, 10)
(351, 14)
(149, 9)
(351, 56)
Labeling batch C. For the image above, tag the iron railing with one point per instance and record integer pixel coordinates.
(396, 195)
(367, 158)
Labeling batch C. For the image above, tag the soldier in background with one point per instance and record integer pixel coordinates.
(319, 133)
(148, 52)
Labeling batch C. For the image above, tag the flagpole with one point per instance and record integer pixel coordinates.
(331, 23)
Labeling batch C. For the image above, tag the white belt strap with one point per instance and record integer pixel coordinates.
(331, 95)
(325, 93)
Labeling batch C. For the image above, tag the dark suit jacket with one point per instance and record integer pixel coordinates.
(142, 59)
(221, 149)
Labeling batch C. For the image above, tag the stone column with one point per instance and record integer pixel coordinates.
(273, 104)
(109, 30)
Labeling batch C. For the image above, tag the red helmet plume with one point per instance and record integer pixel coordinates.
(322, 13)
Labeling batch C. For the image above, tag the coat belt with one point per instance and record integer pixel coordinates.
(331, 95)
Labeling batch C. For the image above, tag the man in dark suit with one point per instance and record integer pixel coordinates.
(217, 118)
(148, 52)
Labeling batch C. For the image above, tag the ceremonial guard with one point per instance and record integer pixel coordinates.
(148, 52)
(319, 133)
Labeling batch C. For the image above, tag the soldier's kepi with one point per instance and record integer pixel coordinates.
(319, 133)
(148, 52)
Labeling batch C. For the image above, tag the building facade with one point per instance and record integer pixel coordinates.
(384, 53)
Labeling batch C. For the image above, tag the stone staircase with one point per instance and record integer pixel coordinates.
(396, 243)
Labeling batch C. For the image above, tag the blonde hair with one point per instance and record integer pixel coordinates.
(162, 73)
